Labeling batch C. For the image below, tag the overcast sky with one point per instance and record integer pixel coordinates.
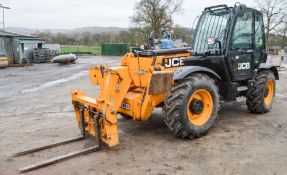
(65, 14)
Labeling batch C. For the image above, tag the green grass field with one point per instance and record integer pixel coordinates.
(94, 50)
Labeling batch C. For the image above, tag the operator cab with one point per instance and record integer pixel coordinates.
(230, 41)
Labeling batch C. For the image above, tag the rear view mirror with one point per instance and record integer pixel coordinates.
(211, 41)
(239, 9)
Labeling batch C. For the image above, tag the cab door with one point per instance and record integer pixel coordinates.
(241, 52)
(260, 46)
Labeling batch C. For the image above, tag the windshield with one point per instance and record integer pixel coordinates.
(213, 24)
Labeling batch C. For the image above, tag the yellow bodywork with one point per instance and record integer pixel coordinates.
(135, 88)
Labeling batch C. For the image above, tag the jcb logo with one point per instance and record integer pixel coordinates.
(126, 106)
(243, 66)
(174, 62)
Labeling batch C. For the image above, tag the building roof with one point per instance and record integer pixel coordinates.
(10, 34)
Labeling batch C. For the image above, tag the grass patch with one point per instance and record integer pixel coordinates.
(94, 50)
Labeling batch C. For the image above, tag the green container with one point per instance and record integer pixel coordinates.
(114, 49)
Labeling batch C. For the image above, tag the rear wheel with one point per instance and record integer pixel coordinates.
(191, 106)
(261, 94)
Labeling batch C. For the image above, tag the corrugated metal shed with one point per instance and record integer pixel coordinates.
(19, 47)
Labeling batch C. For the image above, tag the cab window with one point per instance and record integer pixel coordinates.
(242, 34)
(259, 34)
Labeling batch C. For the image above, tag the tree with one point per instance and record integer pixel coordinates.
(61, 38)
(86, 38)
(45, 35)
(153, 15)
(274, 12)
(124, 37)
(96, 38)
(282, 34)
(138, 36)
(182, 33)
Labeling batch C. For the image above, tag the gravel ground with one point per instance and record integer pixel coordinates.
(36, 110)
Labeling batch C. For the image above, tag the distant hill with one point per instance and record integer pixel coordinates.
(98, 29)
(92, 29)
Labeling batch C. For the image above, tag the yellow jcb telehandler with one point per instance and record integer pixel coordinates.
(227, 60)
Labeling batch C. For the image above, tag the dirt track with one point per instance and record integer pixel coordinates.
(36, 109)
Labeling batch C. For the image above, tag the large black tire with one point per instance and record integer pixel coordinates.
(177, 103)
(257, 93)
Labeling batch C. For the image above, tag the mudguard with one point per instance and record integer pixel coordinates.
(183, 72)
(265, 66)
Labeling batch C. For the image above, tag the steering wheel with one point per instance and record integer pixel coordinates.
(242, 35)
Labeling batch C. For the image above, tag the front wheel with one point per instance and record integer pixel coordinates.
(261, 94)
(191, 106)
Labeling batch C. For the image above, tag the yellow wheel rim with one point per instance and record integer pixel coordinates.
(269, 92)
(198, 116)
